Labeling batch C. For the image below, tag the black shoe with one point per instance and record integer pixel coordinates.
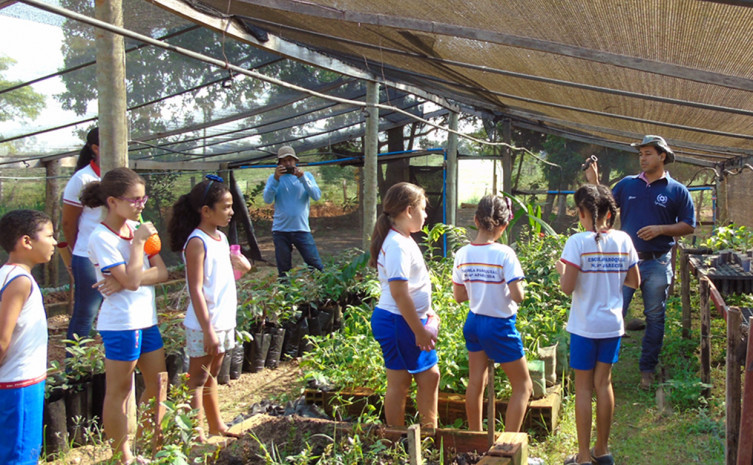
(602, 460)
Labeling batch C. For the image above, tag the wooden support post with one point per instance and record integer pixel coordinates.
(159, 409)
(452, 170)
(414, 444)
(491, 414)
(53, 208)
(733, 392)
(685, 291)
(111, 87)
(705, 330)
(745, 439)
(370, 151)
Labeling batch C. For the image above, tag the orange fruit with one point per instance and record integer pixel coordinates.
(153, 245)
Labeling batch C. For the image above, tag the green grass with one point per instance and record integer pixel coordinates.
(686, 432)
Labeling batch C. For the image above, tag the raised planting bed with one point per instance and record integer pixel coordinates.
(541, 417)
(269, 439)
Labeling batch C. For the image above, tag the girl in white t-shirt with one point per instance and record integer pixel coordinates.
(127, 319)
(489, 275)
(210, 317)
(399, 319)
(593, 268)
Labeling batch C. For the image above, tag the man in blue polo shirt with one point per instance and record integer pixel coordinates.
(654, 209)
(290, 188)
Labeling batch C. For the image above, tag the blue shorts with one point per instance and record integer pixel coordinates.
(129, 344)
(399, 343)
(585, 352)
(21, 424)
(497, 337)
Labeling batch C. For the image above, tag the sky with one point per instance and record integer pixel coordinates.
(33, 37)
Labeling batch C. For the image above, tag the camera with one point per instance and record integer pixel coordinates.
(586, 164)
(290, 169)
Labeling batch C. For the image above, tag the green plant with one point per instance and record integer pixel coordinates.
(733, 237)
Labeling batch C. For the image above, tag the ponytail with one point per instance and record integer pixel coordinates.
(381, 228)
(86, 155)
(183, 220)
(398, 197)
(91, 195)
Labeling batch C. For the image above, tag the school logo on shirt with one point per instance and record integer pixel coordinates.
(661, 200)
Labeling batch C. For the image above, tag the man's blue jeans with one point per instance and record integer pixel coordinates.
(86, 300)
(656, 275)
(303, 241)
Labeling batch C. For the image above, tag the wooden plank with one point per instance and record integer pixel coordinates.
(414, 445)
(716, 297)
(455, 441)
(733, 391)
(512, 445)
(685, 293)
(745, 438)
(705, 334)
(173, 165)
(490, 403)
(489, 460)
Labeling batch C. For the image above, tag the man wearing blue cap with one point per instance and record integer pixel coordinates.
(654, 209)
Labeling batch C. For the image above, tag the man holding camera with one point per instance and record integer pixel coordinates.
(654, 210)
(290, 188)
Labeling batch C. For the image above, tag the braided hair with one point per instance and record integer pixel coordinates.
(587, 199)
(493, 211)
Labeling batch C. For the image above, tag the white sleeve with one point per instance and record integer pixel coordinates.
(396, 263)
(457, 277)
(104, 253)
(571, 253)
(512, 269)
(73, 191)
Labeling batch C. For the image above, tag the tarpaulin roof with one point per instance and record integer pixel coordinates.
(609, 70)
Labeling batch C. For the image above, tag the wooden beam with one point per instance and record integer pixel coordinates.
(452, 170)
(483, 35)
(445, 65)
(289, 49)
(371, 149)
(173, 165)
(685, 292)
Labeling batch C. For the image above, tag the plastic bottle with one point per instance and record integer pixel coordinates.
(235, 249)
(153, 244)
(433, 325)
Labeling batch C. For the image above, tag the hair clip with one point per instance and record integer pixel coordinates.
(212, 178)
(510, 215)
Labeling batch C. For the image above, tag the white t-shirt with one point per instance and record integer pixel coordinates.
(25, 363)
(596, 310)
(90, 217)
(123, 310)
(485, 270)
(401, 260)
(218, 286)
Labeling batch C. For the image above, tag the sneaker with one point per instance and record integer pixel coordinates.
(636, 324)
(607, 459)
(647, 379)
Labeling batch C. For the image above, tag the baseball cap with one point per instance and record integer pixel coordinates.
(286, 151)
(657, 141)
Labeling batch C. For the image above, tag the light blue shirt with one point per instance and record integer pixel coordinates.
(291, 196)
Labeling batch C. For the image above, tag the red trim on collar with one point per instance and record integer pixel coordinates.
(118, 233)
(95, 167)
